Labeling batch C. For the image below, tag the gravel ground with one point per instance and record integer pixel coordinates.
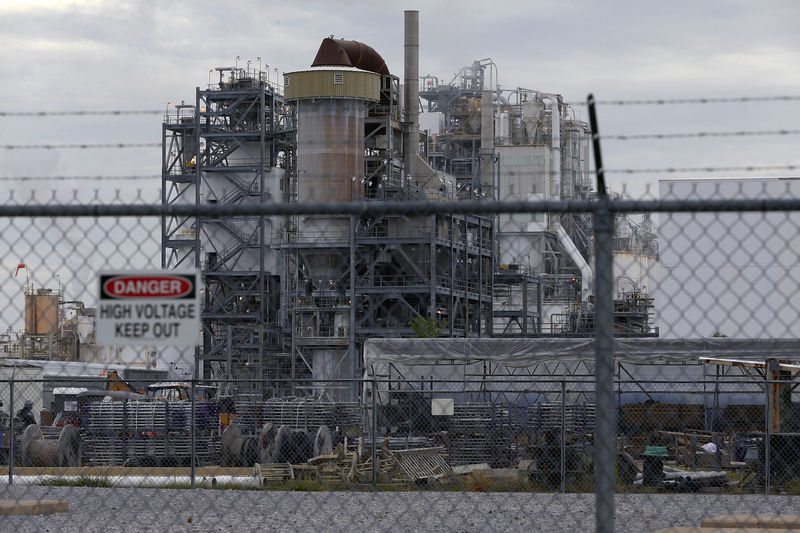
(122, 509)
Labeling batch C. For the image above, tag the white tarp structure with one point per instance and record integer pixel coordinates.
(530, 370)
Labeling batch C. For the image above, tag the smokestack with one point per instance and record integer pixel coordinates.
(411, 81)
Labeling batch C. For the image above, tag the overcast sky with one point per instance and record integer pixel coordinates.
(84, 54)
(61, 55)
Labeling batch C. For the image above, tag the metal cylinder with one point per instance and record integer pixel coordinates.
(487, 139)
(330, 149)
(411, 83)
(330, 161)
(41, 313)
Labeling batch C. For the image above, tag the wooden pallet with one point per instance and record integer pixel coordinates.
(273, 472)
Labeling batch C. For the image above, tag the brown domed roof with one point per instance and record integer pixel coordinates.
(343, 53)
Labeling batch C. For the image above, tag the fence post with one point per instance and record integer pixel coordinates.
(605, 433)
(11, 428)
(192, 432)
(374, 429)
(767, 429)
(604, 369)
(563, 435)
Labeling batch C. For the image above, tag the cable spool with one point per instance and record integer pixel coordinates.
(231, 445)
(249, 451)
(323, 442)
(266, 442)
(35, 451)
(280, 451)
(69, 447)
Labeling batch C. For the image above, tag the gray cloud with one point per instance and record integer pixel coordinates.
(142, 54)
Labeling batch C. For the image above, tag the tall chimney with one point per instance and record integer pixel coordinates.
(411, 81)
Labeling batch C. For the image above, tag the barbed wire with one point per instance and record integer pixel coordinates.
(699, 134)
(633, 137)
(665, 170)
(651, 101)
(81, 146)
(80, 113)
(675, 101)
(78, 178)
(671, 170)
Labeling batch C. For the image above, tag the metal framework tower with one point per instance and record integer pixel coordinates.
(372, 276)
(233, 146)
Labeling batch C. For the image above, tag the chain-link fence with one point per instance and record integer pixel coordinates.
(664, 397)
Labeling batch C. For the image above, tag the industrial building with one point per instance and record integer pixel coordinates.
(294, 298)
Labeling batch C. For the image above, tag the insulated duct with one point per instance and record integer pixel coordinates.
(586, 271)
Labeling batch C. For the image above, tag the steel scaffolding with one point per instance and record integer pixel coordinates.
(232, 147)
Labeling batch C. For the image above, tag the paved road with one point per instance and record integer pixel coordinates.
(127, 510)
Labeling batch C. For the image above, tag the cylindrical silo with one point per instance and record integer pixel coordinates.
(331, 107)
(41, 312)
(330, 149)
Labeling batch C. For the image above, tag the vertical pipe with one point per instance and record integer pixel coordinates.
(374, 428)
(198, 170)
(192, 430)
(480, 276)
(451, 310)
(555, 147)
(262, 237)
(767, 430)
(293, 323)
(164, 192)
(605, 463)
(354, 358)
(487, 138)
(432, 226)
(539, 306)
(11, 428)
(524, 305)
(124, 431)
(229, 356)
(167, 443)
(466, 270)
(411, 81)
(618, 378)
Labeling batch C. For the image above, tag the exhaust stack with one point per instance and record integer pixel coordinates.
(411, 81)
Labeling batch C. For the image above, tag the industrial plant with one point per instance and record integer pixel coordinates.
(396, 345)
(295, 298)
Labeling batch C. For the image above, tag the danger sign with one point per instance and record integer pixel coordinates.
(152, 308)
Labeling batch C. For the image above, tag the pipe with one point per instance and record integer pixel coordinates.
(555, 146)
(555, 194)
(143, 481)
(487, 138)
(411, 81)
(587, 275)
